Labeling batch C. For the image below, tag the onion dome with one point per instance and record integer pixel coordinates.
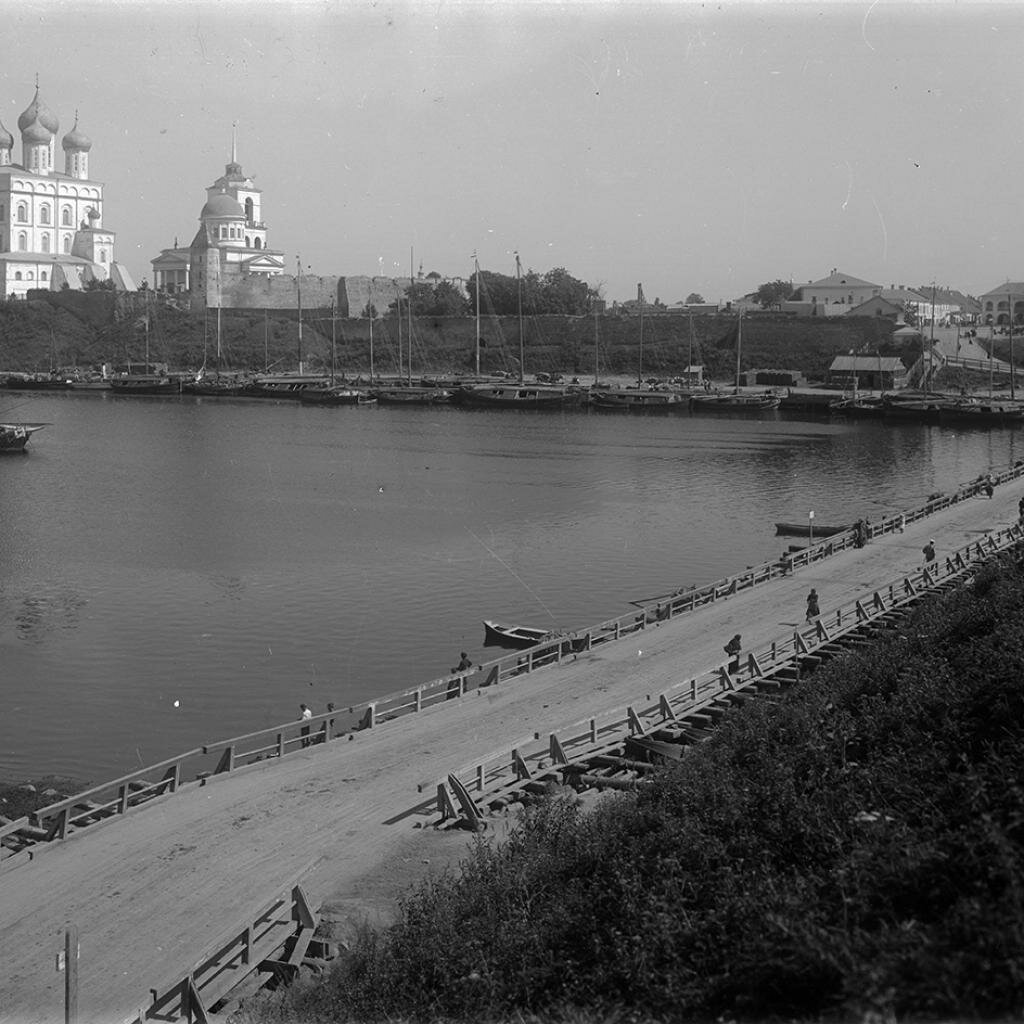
(222, 205)
(76, 139)
(36, 134)
(6, 138)
(37, 113)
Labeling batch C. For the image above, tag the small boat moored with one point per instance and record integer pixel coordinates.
(14, 436)
(804, 530)
(502, 635)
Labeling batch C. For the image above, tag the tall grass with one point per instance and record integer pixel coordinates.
(857, 848)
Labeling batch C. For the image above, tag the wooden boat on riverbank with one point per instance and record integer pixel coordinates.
(502, 635)
(14, 436)
(337, 395)
(285, 385)
(411, 395)
(633, 400)
(804, 530)
(736, 401)
(516, 396)
(144, 384)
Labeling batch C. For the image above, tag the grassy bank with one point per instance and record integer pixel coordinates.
(64, 329)
(855, 849)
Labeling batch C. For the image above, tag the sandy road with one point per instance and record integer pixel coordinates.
(149, 891)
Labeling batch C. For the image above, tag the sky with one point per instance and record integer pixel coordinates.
(687, 147)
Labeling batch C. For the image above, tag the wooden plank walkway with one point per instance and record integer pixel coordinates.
(147, 890)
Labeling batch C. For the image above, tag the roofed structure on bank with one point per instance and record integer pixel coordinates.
(836, 294)
(996, 304)
(51, 221)
(880, 307)
(875, 373)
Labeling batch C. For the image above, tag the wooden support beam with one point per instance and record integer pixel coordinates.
(667, 711)
(821, 630)
(635, 725)
(520, 766)
(556, 751)
(444, 803)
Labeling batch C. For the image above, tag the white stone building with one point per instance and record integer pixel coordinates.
(51, 222)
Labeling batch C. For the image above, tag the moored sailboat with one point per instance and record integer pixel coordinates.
(736, 400)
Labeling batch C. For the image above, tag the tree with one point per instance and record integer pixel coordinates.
(427, 300)
(562, 293)
(369, 311)
(556, 291)
(773, 293)
(694, 298)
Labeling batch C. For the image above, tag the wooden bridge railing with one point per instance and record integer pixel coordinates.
(214, 760)
(508, 770)
(273, 940)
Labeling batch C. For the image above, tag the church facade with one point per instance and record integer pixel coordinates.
(229, 265)
(51, 222)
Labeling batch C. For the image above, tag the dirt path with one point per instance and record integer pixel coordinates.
(149, 891)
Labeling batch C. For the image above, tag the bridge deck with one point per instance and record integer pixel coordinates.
(147, 890)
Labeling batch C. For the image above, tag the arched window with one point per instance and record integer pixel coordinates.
(42, 275)
(248, 209)
(22, 241)
(248, 242)
(17, 275)
(988, 306)
(28, 275)
(22, 212)
(44, 215)
(67, 244)
(257, 245)
(103, 256)
(46, 243)
(65, 217)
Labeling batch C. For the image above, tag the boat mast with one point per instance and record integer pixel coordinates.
(476, 278)
(739, 342)
(370, 311)
(1013, 390)
(266, 340)
(334, 340)
(298, 293)
(931, 342)
(640, 363)
(398, 319)
(519, 310)
(594, 300)
(689, 356)
(409, 305)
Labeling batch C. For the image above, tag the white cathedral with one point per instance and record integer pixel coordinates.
(51, 222)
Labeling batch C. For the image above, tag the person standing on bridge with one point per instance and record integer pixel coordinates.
(1020, 508)
(307, 714)
(929, 552)
(733, 648)
(813, 611)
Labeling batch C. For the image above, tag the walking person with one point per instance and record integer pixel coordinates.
(733, 648)
(306, 715)
(1020, 508)
(929, 552)
(813, 611)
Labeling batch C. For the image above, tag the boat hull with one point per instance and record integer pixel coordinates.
(638, 401)
(735, 403)
(804, 530)
(15, 436)
(520, 637)
(143, 386)
(515, 396)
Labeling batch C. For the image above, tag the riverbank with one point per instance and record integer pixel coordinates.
(186, 866)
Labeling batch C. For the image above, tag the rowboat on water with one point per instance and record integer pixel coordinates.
(804, 529)
(502, 635)
(14, 436)
(628, 400)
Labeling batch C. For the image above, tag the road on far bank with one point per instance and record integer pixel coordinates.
(149, 891)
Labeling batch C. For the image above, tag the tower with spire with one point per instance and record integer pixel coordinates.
(230, 248)
(51, 221)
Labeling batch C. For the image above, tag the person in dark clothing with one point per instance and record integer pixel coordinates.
(813, 611)
(929, 551)
(464, 663)
(733, 648)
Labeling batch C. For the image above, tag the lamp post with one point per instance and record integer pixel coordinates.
(810, 528)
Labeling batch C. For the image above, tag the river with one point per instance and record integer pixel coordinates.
(180, 570)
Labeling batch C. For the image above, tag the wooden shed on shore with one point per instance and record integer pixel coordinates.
(874, 373)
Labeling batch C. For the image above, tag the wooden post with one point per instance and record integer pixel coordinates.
(71, 974)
